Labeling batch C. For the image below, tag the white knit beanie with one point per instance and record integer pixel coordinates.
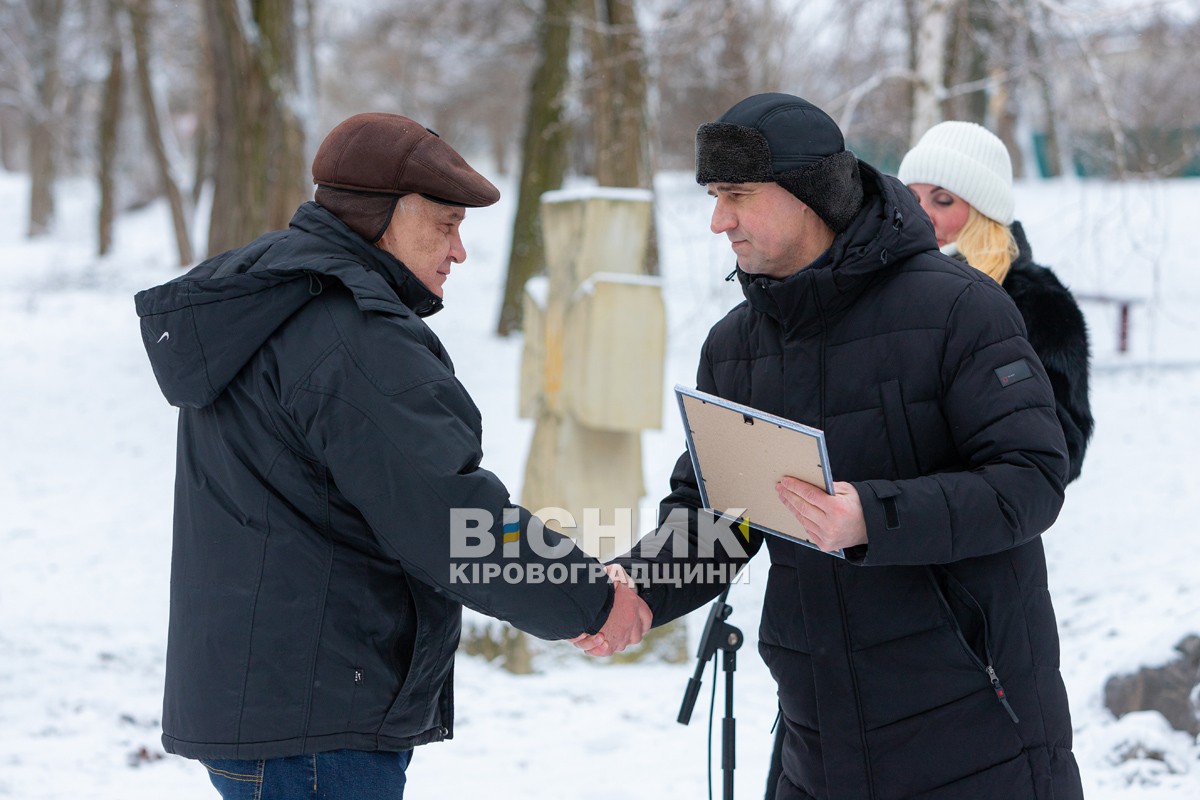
(966, 159)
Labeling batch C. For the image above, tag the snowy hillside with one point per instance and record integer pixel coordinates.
(86, 478)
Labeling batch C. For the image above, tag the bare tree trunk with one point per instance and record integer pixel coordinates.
(9, 140)
(202, 143)
(260, 174)
(956, 61)
(43, 137)
(912, 17)
(110, 123)
(1051, 149)
(619, 118)
(1004, 122)
(736, 45)
(1107, 101)
(618, 109)
(42, 174)
(930, 65)
(140, 21)
(543, 156)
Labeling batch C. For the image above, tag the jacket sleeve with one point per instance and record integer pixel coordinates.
(692, 555)
(403, 447)
(1000, 411)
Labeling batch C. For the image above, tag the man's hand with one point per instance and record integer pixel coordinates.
(619, 575)
(833, 522)
(627, 623)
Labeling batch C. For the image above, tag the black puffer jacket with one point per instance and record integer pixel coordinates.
(323, 441)
(936, 408)
(1059, 336)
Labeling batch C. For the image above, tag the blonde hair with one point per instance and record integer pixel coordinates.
(987, 245)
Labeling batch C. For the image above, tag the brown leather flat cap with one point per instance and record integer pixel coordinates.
(393, 155)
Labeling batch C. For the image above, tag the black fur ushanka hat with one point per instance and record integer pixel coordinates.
(785, 139)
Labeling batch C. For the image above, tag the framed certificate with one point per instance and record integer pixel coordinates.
(740, 453)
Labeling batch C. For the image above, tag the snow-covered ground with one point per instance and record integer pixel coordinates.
(86, 478)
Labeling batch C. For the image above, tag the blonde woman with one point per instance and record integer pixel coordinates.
(961, 174)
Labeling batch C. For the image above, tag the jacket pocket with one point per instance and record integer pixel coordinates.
(966, 616)
(895, 420)
(430, 656)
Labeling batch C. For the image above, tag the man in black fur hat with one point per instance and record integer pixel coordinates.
(923, 664)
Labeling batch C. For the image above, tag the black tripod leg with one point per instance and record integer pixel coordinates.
(728, 729)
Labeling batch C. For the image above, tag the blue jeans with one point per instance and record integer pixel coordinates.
(336, 775)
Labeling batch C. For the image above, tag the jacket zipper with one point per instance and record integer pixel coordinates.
(999, 690)
(988, 669)
(993, 678)
(1001, 695)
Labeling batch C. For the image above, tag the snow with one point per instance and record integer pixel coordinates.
(588, 286)
(87, 472)
(597, 193)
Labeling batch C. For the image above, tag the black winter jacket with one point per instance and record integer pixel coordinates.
(323, 441)
(1059, 336)
(889, 663)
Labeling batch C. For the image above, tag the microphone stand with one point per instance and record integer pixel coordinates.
(718, 635)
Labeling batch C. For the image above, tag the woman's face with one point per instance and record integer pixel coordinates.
(946, 210)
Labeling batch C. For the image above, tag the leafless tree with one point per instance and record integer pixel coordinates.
(459, 66)
(543, 155)
(48, 59)
(158, 131)
(616, 83)
(1154, 90)
(109, 126)
(260, 173)
(704, 57)
(1123, 97)
(930, 63)
(45, 18)
(1101, 88)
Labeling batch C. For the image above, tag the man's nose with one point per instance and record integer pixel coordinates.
(458, 252)
(722, 219)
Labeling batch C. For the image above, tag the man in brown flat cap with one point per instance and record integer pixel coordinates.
(331, 514)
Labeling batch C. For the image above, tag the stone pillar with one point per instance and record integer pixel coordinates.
(592, 367)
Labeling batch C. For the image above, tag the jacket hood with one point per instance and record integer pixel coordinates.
(201, 328)
(889, 229)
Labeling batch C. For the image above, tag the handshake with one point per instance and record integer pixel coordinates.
(627, 622)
